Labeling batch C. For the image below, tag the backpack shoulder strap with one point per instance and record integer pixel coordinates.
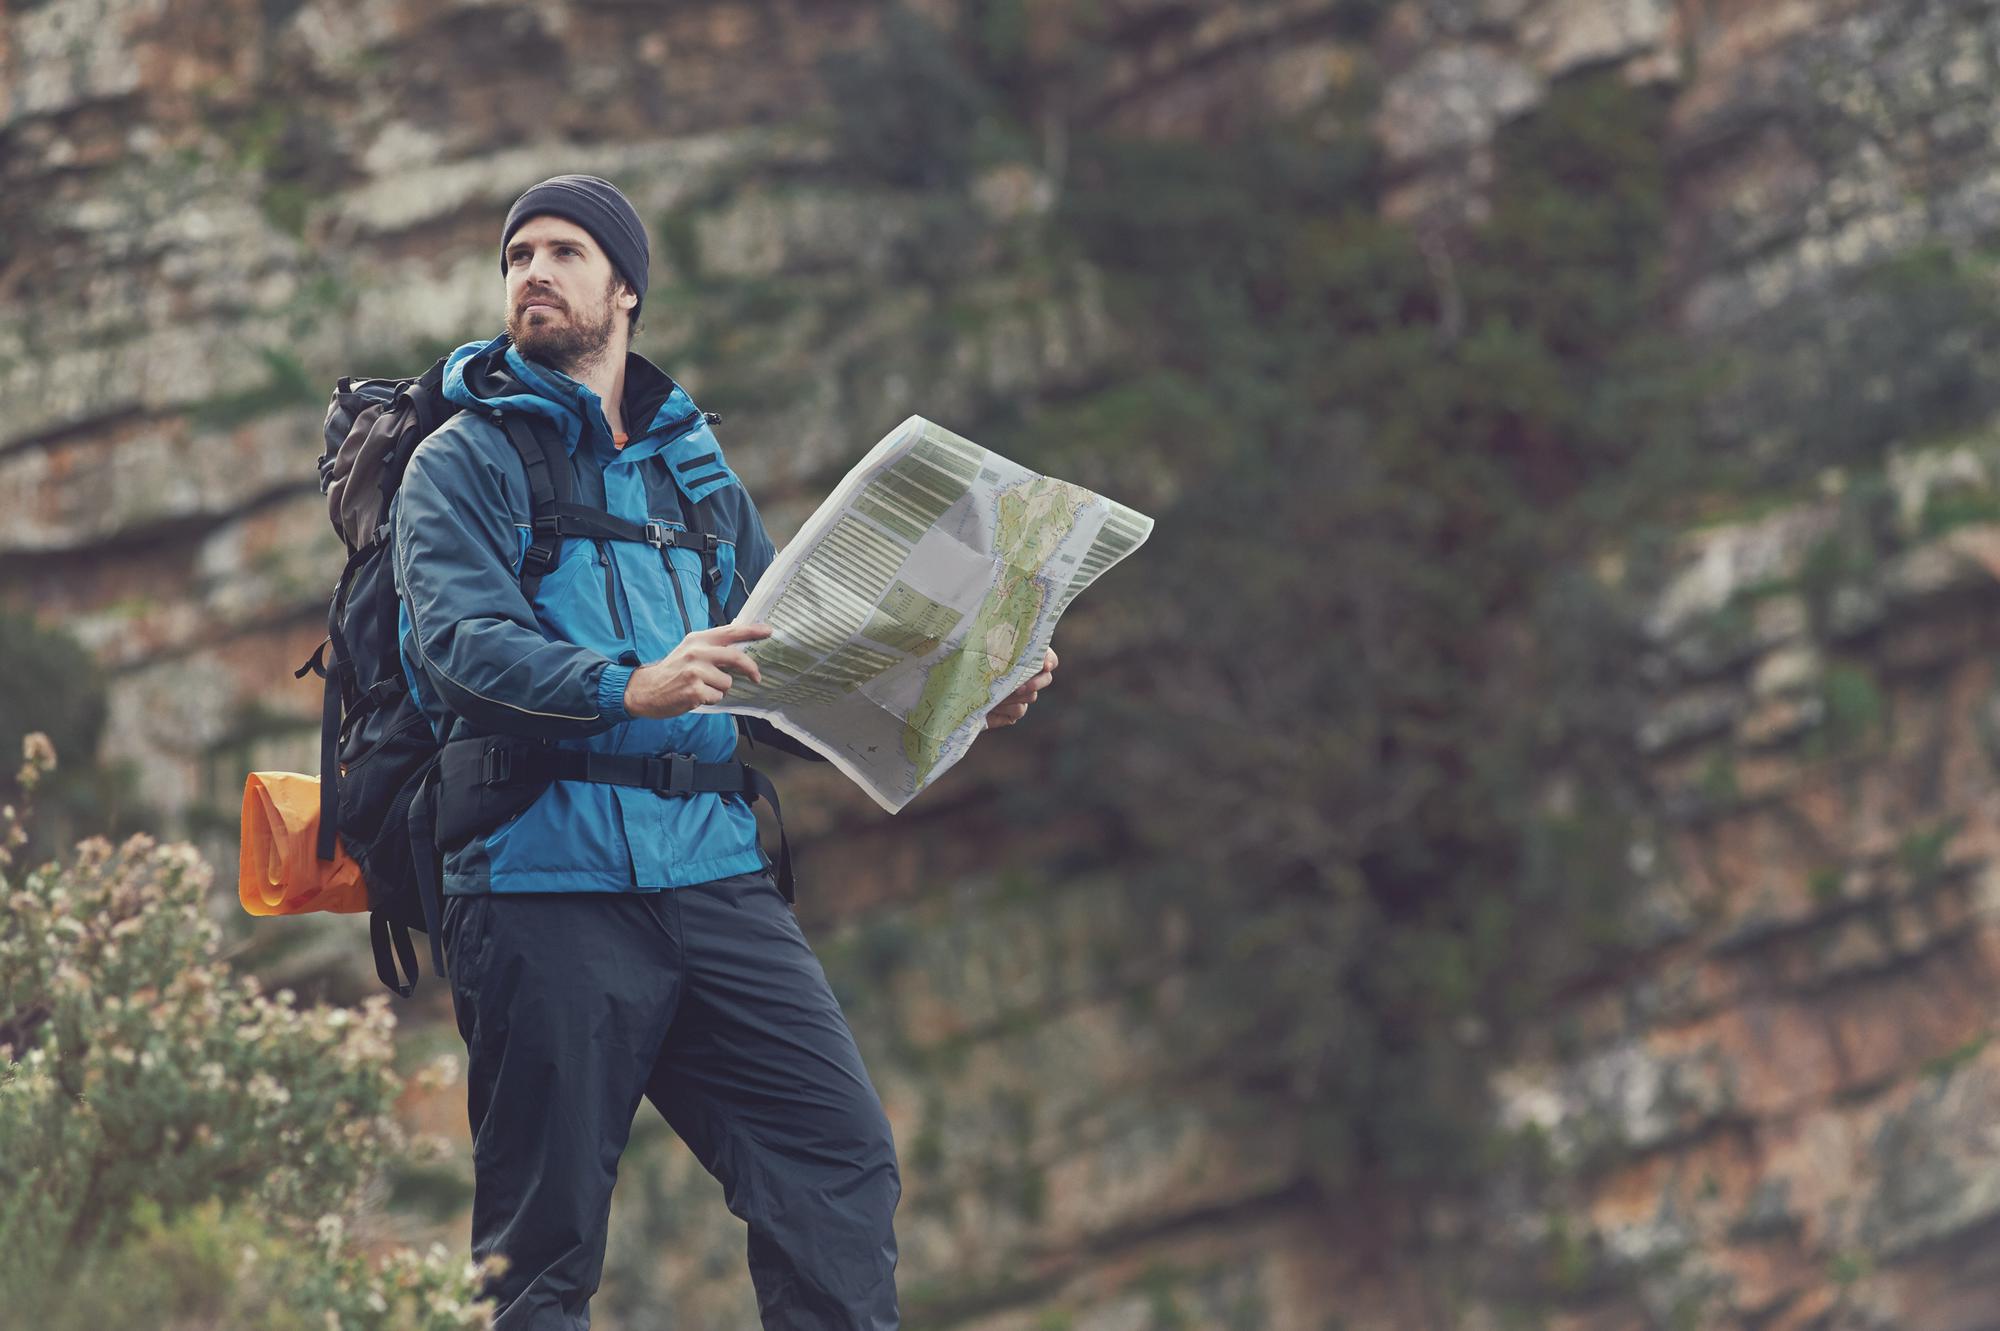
(549, 485)
(711, 567)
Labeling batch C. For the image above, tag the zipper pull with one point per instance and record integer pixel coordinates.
(712, 417)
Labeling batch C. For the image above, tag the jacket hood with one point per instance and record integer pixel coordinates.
(494, 376)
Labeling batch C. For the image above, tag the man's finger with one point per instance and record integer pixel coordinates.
(711, 675)
(1048, 659)
(738, 661)
(728, 633)
(1028, 690)
(733, 659)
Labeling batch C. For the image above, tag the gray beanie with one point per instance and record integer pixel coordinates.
(599, 208)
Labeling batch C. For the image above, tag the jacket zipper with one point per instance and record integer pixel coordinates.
(680, 598)
(610, 589)
(683, 426)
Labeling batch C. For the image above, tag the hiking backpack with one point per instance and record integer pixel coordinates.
(388, 790)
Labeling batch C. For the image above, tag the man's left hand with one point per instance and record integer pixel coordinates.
(1015, 705)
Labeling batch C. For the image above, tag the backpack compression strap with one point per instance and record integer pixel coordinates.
(428, 873)
(338, 670)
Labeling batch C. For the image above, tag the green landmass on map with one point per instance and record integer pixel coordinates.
(911, 622)
(1032, 521)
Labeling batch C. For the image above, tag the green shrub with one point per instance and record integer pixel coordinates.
(1902, 350)
(1376, 655)
(50, 683)
(1371, 720)
(907, 112)
(181, 1148)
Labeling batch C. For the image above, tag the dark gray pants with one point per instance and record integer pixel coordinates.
(708, 1001)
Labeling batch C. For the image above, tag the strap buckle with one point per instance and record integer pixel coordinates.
(660, 535)
(538, 560)
(496, 766)
(670, 774)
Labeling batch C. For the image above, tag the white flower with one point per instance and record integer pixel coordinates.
(264, 1089)
(37, 748)
(438, 1074)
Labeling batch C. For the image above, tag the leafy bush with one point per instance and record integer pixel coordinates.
(182, 1149)
(905, 112)
(1377, 736)
(50, 683)
(1904, 350)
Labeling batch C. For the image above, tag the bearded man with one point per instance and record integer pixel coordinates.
(621, 934)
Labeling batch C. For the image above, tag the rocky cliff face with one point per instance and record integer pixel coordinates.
(1778, 1117)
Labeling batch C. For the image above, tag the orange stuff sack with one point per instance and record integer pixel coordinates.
(279, 870)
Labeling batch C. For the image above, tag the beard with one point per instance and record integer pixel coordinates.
(565, 341)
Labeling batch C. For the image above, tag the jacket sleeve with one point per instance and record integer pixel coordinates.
(475, 635)
(754, 553)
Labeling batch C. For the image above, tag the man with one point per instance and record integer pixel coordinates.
(608, 941)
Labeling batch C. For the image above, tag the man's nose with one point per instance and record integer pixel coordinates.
(541, 272)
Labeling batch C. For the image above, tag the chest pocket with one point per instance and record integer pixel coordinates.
(684, 571)
(703, 578)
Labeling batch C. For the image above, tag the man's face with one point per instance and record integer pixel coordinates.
(565, 302)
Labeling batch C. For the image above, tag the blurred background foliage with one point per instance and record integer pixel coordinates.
(50, 683)
(1375, 733)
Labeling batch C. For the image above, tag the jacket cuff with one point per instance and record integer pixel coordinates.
(611, 692)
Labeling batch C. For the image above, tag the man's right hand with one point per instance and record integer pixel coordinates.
(695, 673)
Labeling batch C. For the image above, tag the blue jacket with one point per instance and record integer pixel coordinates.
(482, 660)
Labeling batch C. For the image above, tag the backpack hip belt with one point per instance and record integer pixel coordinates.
(485, 780)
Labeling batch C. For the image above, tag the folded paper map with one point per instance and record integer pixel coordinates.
(921, 593)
